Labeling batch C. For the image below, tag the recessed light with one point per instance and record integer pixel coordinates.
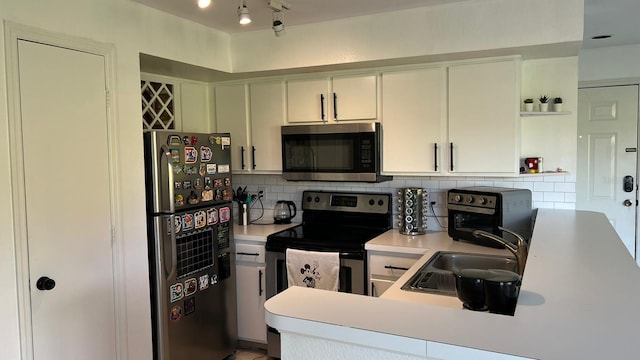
(203, 3)
(598, 37)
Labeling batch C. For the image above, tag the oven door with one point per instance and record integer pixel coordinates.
(352, 280)
(351, 274)
(463, 223)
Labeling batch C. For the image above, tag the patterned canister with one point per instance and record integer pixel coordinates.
(412, 210)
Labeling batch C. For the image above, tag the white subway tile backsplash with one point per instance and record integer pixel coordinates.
(552, 192)
(504, 184)
(542, 186)
(564, 205)
(553, 196)
(565, 187)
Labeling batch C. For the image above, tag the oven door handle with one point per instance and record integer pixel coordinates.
(395, 267)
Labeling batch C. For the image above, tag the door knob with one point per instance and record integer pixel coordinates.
(45, 283)
(627, 203)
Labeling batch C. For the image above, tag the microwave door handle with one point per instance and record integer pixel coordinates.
(167, 155)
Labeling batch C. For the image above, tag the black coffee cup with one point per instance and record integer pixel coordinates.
(470, 288)
(501, 290)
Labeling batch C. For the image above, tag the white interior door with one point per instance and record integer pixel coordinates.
(67, 197)
(607, 142)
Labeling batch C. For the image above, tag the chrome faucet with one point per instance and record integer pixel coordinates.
(520, 250)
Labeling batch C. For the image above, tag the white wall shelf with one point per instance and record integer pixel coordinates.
(543, 113)
(546, 173)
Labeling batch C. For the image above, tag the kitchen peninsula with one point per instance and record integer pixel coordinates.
(577, 301)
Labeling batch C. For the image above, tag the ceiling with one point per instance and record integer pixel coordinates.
(617, 17)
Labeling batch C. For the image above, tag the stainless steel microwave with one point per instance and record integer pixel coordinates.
(332, 152)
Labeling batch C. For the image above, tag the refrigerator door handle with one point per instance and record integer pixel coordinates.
(167, 155)
(174, 255)
(168, 268)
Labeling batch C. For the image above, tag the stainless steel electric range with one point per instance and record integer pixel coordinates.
(332, 222)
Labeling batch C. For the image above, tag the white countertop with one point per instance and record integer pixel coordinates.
(578, 300)
(258, 232)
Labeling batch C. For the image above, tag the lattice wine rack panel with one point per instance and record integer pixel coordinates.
(158, 107)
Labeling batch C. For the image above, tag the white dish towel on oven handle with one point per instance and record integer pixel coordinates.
(313, 269)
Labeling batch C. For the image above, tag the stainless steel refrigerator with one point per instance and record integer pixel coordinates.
(191, 262)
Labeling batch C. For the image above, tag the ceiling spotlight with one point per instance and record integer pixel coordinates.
(243, 13)
(278, 23)
(203, 3)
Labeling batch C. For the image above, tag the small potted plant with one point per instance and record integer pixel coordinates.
(528, 104)
(557, 104)
(544, 102)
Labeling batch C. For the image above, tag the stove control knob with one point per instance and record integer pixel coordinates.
(317, 199)
(482, 200)
(380, 202)
(469, 199)
(457, 198)
(371, 202)
(308, 198)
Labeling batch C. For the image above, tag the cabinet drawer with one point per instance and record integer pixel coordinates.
(378, 287)
(390, 266)
(250, 253)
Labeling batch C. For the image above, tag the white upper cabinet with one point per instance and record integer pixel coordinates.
(267, 116)
(341, 98)
(307, 100)
(483, 129)
(231, 117)
(354, 98)
(413, 115)
(253, 114)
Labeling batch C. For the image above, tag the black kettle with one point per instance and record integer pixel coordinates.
(284, 211)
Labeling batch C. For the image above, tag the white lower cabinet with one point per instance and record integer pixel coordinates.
(385, 268)
(251, 292)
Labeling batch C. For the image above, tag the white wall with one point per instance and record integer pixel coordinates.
(615, 62)
(132, 29)
(489, 27)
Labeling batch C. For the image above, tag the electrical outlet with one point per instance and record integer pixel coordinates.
(262, 189)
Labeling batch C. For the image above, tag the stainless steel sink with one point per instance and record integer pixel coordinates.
(436, 276)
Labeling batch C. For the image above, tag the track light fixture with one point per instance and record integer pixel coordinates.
(243, 13)
(278, 23)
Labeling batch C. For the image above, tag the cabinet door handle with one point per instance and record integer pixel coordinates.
(451, 156)
(435, 156)
(335, 106)
(242, 156)
(246, 253)
(373, 289)
(322, 106)
(253, 157)
(395, 267)
(260, 290)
